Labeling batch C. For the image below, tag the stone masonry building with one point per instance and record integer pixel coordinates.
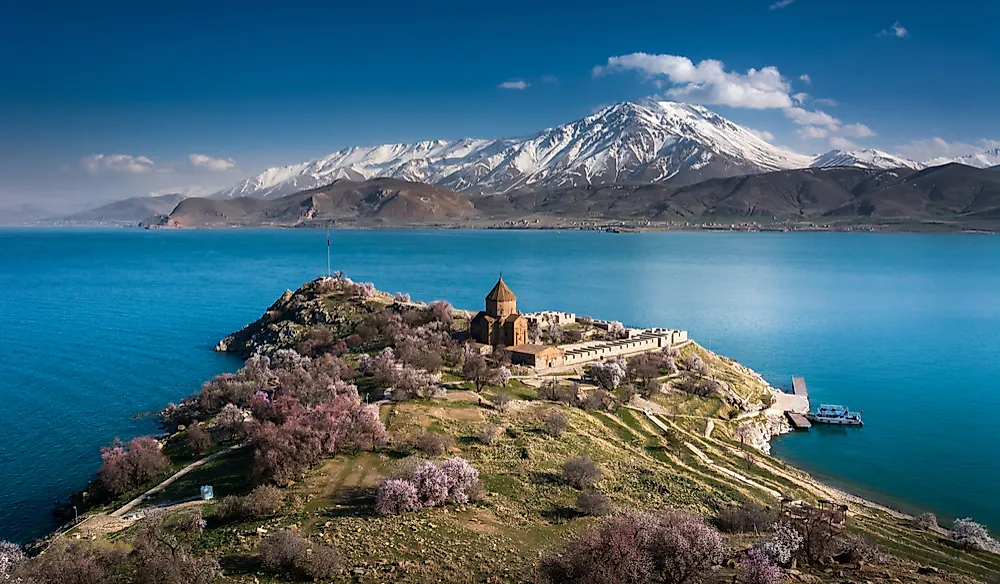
(500, 325)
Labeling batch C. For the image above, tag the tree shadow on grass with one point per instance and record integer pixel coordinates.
(546, 478)
(561, 514)
(239, 564)
(352, 502)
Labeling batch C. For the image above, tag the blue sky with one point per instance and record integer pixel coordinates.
(105, 100)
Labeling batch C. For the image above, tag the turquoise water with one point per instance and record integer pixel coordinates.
(101, 325)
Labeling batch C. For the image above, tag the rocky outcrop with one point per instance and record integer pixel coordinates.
(322, 302)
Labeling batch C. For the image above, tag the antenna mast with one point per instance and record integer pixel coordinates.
(328, 272)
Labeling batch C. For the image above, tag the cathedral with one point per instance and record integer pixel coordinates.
(500, 325)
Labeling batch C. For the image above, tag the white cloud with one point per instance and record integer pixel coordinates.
(811, 118)
(708, 81)
(188, 191)
(812, 132)
(800, 98)
(205, 162)
(762, 134)
(518, 84)
(842, 143)
(936, 147)
(118, 163)
(805, 78)
(857, 131)
(897, 30)
(550, 79)
(780, 4)
(826, 101)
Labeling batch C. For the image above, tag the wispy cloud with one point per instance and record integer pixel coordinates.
(550, 79)
(780, 4)
(205, 162)
(762, 134)
(936, 147)
(896, 30)
(800, 98)
(812, 132)
(515, 84)
(805, 78)
(826, 101)
(708, 81)
(116, 163)
(842, 143)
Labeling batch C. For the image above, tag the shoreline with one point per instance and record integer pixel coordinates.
(611, 227)
(819, 486)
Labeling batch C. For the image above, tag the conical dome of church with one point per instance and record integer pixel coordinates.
(501, 292)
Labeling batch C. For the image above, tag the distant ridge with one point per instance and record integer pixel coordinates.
(954, 196)
(648, 140)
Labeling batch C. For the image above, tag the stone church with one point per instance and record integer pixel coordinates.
(500, 325)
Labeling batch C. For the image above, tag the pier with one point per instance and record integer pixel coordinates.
(799, 387)
(798, 421)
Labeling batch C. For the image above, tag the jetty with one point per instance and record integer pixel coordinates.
(799, 387)
(798, 421)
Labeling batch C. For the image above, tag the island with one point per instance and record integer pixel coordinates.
(370, 437)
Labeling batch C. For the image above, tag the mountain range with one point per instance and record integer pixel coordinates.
(952, 196)
(645, 141)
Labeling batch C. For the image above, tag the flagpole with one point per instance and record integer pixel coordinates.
(328, 272)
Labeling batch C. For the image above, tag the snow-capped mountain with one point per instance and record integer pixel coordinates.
(649, 140)
(867, 158)
(979, 159)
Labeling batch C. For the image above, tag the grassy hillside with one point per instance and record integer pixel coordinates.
(683, 453)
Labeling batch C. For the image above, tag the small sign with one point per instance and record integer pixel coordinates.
(207, 493)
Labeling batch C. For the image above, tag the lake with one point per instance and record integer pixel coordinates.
(103, 325)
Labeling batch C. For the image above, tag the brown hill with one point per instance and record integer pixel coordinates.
(951, 196)
(379, 201)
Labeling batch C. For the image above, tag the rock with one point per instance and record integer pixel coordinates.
(928, 570)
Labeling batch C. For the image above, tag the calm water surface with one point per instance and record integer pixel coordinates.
(100, 326)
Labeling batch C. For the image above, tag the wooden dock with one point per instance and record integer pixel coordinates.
(798, 421)
(799, 387)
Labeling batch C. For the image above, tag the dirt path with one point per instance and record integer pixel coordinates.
(169, 481)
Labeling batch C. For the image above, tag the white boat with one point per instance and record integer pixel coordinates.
(840, 415)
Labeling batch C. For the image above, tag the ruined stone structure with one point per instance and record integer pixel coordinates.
(500, 325)
(537, 356)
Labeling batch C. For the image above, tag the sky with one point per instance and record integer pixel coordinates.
(106, 100)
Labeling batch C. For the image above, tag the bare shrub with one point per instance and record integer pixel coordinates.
(501, 401)
(581, 472)
(555, 424)
(926, 521)
(263, 501)
(593, 503)
(627, 392)
(320, 562)
(488, 434)
(76, 562)
(161, 551)
(747, 518)
(229, 508)
(860, 550)
(281, 550)
(433, 444)
(695, 365)
(198, 441)
(549, 391)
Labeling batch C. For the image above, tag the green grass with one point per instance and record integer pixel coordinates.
(228, 475)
